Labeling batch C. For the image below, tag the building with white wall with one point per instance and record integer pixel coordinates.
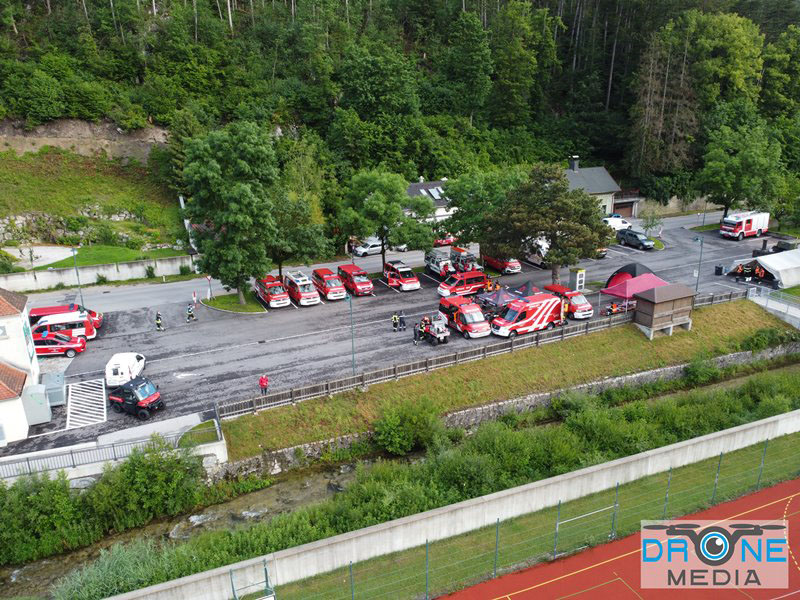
(433, 190)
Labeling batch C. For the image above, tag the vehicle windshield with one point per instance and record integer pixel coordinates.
(305, 287)
(145, 390)
(276, 289)
(405, 273)
(474, 317)
(640, 236)
(579, 299)
(509, 314)
(335, 282)
(451, 280)
(360, 278)
(61, 338)
(730, 222)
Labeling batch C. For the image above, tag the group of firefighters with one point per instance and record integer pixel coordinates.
(748, 271)
(190, 316)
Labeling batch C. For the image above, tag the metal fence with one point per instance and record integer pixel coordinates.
(73, 458)
(436, 568)
(237, 408)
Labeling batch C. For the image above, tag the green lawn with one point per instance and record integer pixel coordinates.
(101, 255)
(231, 302)
(795, 291)
(201, 433)
(464, 560)
(659, 245)
(622, 350)
(706, 227)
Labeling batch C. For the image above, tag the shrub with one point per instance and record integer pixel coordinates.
(11, 243)
(59, 286)
(407, 426)
(769, 337)
(184, 269)
(149, 271)
(101, 279)
(133, 243)
(701, 372)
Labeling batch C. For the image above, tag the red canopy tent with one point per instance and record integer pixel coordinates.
(635, 285)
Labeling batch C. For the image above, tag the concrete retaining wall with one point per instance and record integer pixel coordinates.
(42, 280)
(336, 552)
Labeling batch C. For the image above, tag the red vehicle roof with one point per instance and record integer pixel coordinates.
(456, 300)
(351, 268)
(324, 272)
(270, 279)
(559, 289)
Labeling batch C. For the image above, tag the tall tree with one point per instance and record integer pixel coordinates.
(469, 64)
(378, 205)
(297, 236)
(544, 209)
(780, 95)
(230, 174)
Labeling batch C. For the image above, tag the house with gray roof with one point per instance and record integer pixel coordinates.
(597, 181)
(433, 190)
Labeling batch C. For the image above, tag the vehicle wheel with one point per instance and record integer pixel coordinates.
(512, 335)
(630, 226)
(740, 237)
(70, 353)
(551, 325)
(82, 337)
(116, 407)
(622, 241)
(143, 414)
(435, 341)
(465, 334)
(445, 340)
(758, 233)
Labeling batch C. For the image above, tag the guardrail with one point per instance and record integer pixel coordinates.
(70, 459)
(236, 408)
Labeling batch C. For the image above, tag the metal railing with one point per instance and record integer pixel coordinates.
(237, 408)
(76, 457)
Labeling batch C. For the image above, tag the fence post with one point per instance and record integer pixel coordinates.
(114, 450)
(395, 372)
(716, 479)
(352, 586)
(666, 496)
(614, 517)
(72, 456)
(537, 338)
(426, 569)
(555, 541)
(28, 462)
(511, 339)
(427, 364)
(587, 326)
(730, 296)
(563, 330)
(761, 468)
(484, 351)
(496, 545)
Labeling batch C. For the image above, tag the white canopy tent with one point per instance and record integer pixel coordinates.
(783, 266)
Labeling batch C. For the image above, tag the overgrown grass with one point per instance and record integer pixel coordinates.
(716, 330)
(103, 255)
(231, 302)
(794, 291)
(202, 433)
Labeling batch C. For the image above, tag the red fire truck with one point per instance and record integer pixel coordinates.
(465, 316)
(540, 311)
(578, 307)
(746, 224)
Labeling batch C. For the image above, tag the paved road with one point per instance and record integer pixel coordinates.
(221, 356)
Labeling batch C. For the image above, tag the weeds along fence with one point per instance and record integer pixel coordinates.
(76, 457)
(237, 408)
(440, 567)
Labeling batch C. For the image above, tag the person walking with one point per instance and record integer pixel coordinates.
(416, 333)
(395, 321)
(190, 313)
(402, 319)
(159, 322)
(263, 383)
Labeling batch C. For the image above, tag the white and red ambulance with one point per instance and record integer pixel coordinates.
(746, 224)
(540, 311)
(465, 316)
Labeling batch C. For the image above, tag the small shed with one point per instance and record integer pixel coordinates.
(663, 308)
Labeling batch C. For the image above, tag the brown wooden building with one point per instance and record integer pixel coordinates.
(663, 308)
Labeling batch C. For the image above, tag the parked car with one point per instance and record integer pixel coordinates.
(636, 239)
(368, 247)
(328, 284)
(271, 292)
(139, 397)
(71, 324)
(400, 275)
(503, 265)
(448, 239)
(36, 314)
(356, 280)
(463, 284)
(617, 223)
(300, 288)
(124, 366)
(53, 345)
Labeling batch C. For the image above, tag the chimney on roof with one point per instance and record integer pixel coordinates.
(574, 162)
(421, 179)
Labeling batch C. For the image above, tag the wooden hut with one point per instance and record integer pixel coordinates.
(663, 308)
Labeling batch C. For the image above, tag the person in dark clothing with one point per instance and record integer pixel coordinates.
(395, 322)
(159, 322)
(402, 319)
(190, 313)
(416, 333)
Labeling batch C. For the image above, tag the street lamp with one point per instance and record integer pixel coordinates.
(700, 262)
(77, 275)
(352, 334)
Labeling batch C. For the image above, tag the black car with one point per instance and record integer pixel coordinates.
(139, 397)
(634, 238)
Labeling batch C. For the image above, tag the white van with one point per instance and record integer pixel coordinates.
(72, 324)
(123, 367)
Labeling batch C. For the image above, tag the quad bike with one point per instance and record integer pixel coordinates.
(434, 330)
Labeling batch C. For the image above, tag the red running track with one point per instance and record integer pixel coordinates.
(611, 571)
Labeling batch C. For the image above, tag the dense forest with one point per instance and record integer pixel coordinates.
(678, 97)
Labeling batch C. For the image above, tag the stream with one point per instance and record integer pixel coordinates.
(289, 492)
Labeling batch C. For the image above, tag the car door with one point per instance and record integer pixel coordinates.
(140, 362)
(128, 400)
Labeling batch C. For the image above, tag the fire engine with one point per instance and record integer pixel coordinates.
(465, 316)
(578, 307)
(746, 224)
(541, 311)
(463, 260)
(271, 292)
(463, 284)
(300, 288)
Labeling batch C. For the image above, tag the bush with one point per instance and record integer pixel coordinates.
(59, 286)
(101, 279)
(700, 372)
(133, 243)
(769, 337)
(105, 235)
(408, 426)
(149, 271)
(184, 269)
(11, 243)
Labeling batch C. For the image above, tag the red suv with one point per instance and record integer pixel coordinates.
(271, 292)
(462, 284)
(448, 239)
(51, 345)
(356, 280)
(503, 265)
(45, 311)
(328, 284)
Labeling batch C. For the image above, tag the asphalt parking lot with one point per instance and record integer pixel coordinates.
(221, 356)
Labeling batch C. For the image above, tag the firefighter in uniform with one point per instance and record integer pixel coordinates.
(395, 322)
(159, 322)
(190, 313)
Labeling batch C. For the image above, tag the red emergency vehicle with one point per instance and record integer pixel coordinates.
(504, 265)
(271, 292)
(578, 307)
(746, 224)
(355, 280)
(465, 316)
(328, 284)
(400, 275)
(45, 311)
(49, 345)
(540, 311)
(463, 284)
(300, 288)
(464, 260)
(448, 239)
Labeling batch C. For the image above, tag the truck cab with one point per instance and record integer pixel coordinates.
(578, 307)
(503, 264)
(541, 311)
(271, 292)
(328, 284)
(465, 316)
(355, 279)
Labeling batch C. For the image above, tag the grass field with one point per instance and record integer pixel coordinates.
(619, 351)
(706, 227)
(231, 302)
(202, 433)
(794, 291)
(659, 245)
(464, 560)
(101, 255)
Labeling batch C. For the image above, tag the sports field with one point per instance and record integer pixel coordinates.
(612, 570)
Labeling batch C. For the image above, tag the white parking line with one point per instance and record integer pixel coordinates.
(293, 304)
(388, 286)
(431, 278)
(618, 252)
